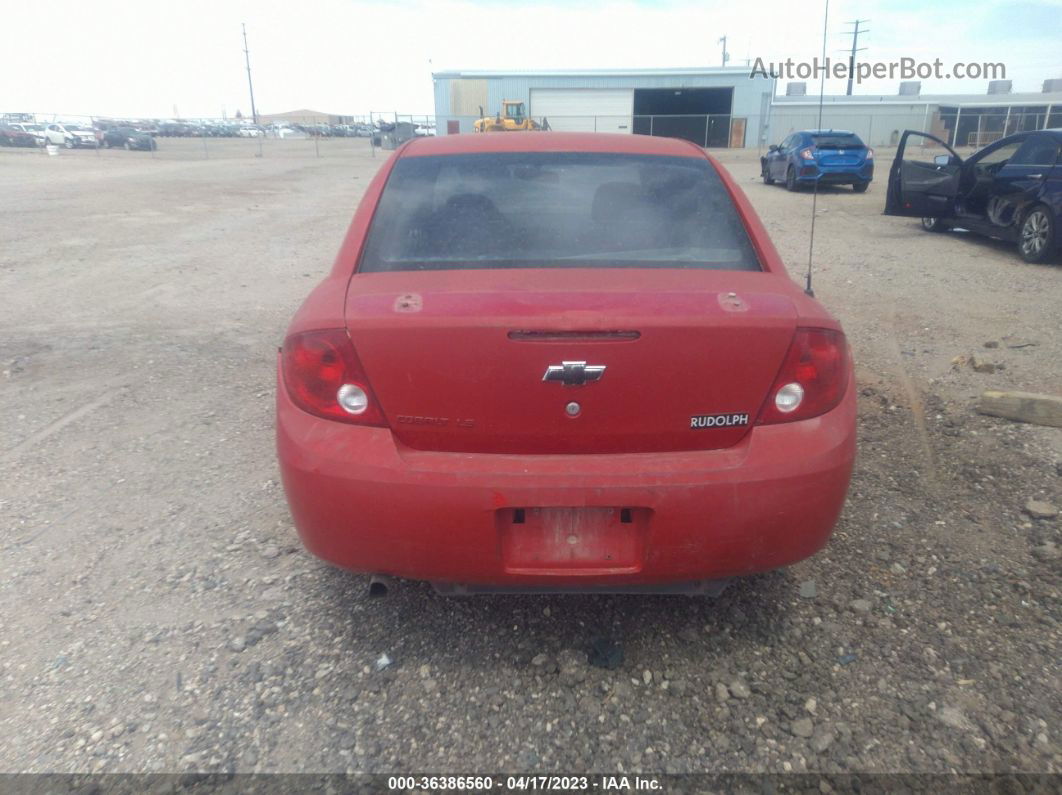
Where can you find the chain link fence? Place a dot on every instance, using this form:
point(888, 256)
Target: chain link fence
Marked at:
point(55, 134)
point(708, 131)
point(879, 128)
point(317, 135)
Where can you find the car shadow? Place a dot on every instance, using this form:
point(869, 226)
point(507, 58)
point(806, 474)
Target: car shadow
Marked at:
point(1003, 247)
point(826, 189)
point(483, 631)
point(807, 189)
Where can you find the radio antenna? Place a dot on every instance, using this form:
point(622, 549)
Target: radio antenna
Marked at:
point(815, 195)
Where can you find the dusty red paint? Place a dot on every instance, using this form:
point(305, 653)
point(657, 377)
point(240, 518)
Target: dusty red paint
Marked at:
point(475, 434)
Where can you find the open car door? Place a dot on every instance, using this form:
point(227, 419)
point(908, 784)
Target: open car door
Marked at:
point(923, 188)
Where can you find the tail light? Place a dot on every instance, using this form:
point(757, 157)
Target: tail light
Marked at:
point(870, 153)
point(807, 154)
point(812, 380)
point(324, 377)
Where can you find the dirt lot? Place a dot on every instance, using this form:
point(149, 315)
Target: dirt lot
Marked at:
point(159, 614)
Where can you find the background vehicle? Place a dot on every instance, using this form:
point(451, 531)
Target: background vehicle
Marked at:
point(130, 138)
point(36, 130)
point(174, 129)
point(70, 135)
point(11, 135)
point(250, 132)
point(646, 326)
point(285, 131)
point(829, 157)
point(1010, 189)
point(511, 118)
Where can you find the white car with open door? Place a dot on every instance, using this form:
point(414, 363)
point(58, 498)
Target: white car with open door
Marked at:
point(1010, 189)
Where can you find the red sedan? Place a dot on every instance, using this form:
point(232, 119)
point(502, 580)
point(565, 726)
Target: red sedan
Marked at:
point(551, 361)
point(15, 136)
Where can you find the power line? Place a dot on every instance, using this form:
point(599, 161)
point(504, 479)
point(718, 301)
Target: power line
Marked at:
point(250, 85)
point(855, 41)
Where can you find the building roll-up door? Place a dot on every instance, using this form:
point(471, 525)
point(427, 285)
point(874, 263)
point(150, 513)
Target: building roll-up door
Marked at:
point(584, 109)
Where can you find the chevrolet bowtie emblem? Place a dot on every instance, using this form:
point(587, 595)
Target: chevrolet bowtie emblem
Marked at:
point(574, 373)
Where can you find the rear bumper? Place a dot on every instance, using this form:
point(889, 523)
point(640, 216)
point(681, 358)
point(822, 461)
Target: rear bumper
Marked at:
point(363, 502)
point(827, 175)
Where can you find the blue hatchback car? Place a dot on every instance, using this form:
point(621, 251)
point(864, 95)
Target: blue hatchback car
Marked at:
point(828, 157)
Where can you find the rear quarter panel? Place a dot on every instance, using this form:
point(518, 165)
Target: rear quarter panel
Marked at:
point(324, 307)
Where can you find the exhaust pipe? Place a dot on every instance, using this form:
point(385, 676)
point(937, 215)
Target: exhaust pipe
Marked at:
point(379, 586)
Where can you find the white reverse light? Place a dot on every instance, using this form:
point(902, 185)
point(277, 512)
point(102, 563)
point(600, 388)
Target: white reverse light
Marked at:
point(788, 398)
point(352, 398)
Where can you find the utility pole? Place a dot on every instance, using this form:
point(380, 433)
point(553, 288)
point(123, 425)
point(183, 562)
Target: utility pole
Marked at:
point(250, 85)
point(726, 55)
point(855, 41)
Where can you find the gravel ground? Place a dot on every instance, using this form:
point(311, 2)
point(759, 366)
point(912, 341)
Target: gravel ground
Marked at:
point(157, 612)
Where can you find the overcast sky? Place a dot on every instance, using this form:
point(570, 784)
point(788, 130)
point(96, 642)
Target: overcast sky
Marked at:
point(160, 59)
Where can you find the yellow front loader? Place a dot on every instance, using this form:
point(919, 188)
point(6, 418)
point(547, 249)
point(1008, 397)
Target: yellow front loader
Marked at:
point(511, 118)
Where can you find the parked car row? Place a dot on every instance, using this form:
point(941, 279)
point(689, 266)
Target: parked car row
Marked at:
point(360, 130)
point(181, 129)
point(1010, 190)
point(276, 130)
point(75, 135)
point(335, 130)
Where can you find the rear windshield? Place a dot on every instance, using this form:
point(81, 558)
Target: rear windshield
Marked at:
point(555, 210)
point(835, 141)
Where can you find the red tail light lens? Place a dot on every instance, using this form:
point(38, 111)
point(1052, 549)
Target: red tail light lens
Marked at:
point(324, 377)
point(812, 380)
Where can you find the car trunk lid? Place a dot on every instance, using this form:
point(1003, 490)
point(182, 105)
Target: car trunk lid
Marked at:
point(458, 359)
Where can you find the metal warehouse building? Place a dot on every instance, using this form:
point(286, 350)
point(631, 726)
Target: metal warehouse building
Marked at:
point(960, 119)
point(720, 107)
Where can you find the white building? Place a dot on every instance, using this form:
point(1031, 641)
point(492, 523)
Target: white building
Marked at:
point(960, 119)
point(717, 107)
